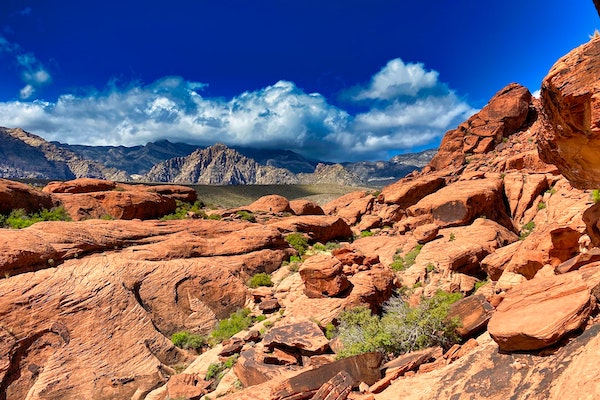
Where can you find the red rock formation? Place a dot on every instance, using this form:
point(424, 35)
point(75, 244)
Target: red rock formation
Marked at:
point(570, 100)
point(506, 112)
point(323, 276)
point(15, 195)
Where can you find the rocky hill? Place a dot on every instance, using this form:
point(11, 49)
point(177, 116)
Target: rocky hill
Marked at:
point(502, 217)
point(27, 156)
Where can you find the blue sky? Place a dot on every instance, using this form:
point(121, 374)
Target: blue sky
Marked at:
point(335, 80)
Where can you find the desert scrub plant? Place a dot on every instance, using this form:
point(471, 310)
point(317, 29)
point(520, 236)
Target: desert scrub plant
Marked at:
point(237, 322)
point(366, 233)
point(260, 279)
point(298, 241)
point(246, 216)
point(595, 195)
point(401, 328)
point(18, 219)
point(400, 263)
point(526, 230)
point(452, 237)
point(187, 340)
point(541, 205)
point(182, 210)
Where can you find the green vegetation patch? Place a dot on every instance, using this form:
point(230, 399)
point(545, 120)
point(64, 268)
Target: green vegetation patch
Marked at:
point(526, 230)
point(182, 210)
point(19, 219)
point(260, 279)
point(187, 340)
point(401, 263)
point(237, 322)
point(298, 241)
point(401, 328)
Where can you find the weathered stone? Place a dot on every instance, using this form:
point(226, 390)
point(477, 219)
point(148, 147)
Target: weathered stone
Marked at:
point(251, 370)
point(408, 191)
point(462, 202)
point(272, 203)
point(402, 364)
point(231, 347)
point(539, 312)
point(505, 113)
point(591, 217)
point(322, 275)
point(473, 312)
point(189, 386)
point(362, 368)
point(306, 337)
point(337, 388)
point(570, 99)
point(269, 306)
point(306, 207)
point(426, 233)
point(280, 357)
point(15, 195)
point(494, 263)
point(318, 228)
point(572, 264)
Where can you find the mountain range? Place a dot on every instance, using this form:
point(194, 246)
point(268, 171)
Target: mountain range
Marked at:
point(27, 156)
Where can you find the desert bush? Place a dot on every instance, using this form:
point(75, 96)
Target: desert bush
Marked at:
point(226, 328)
point(215, 370)
point(187, 340)
point(595, 195)
point(401, 328)
point(260, 279)
point(246, 216)
point(183, 209)
point(526, 230)
point(298, 241)
point(366, 233)
point(18, 219)
point(400, 263)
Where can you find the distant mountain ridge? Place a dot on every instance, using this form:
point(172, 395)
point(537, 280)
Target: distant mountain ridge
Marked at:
point(26, 156)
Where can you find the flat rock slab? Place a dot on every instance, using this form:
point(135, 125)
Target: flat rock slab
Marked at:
point(539, 312)
point(473, 312)
point(305, 336)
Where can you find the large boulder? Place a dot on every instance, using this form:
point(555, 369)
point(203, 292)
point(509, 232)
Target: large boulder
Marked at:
point(272, 204)
point(15, 195)
point(539, 312)
point(570, 97)
point(81, 185)
point(322, 275)
point(320, 228)
point(409, 191)
point(462, 202)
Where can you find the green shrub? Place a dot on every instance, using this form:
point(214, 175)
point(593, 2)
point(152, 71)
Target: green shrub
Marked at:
point(452, 237)
point(226, 328)
point(366, 233)
point(595, 195)
point(182, 210)
point(401, 263)
point(541, 205)
point(298, 241)
point(214, 217)
point(526, 230)
point(187, 340)
point(246, 216)
point(215, 370)
point(18, 219)
point(401, 328)
point(260, 279)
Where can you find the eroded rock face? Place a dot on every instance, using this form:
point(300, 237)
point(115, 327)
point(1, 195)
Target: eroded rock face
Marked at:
point(323, 276)
point(319, 228)
point(505, 113)
point(571, 102)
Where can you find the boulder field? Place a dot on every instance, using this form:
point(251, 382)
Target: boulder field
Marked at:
point(503, 214)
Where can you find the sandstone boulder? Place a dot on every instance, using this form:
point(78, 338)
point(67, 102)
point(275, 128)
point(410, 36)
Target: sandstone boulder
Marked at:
point(463, 201)
point(570, 99)
point(305, 337)
point(306, 207)
point(318, 228)
point(539, 312)
point(15, 195)
point(322, 275)
point(408, 191)
point(474, 312)
point(272, 204)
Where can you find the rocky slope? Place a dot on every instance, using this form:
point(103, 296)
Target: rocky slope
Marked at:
point(27, 156)
point(87, 307)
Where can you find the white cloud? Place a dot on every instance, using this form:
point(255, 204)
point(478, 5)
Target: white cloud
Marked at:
point(32, 71)
point(277, 116)
point(398, 79)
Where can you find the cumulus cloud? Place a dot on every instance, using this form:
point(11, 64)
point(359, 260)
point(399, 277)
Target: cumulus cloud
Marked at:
point(407, 107)
point(32, 71)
